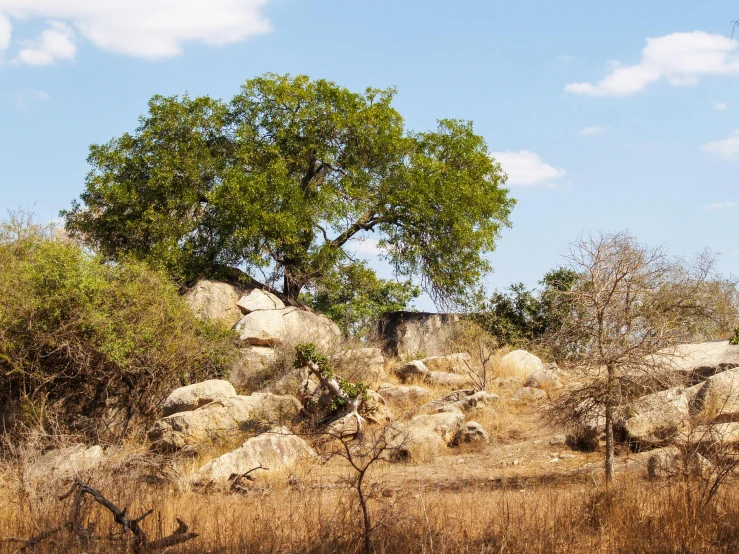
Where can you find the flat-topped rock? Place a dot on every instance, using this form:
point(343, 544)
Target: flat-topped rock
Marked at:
point(192, 397)
point(288, 326)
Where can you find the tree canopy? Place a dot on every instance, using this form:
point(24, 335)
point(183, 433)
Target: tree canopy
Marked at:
point(280, 179)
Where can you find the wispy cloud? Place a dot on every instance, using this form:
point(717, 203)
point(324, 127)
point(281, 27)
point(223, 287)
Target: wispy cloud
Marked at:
point(727, 148)
point(24, 98)
point(564, 58)
point(721, 205)
point(152, 29)
point(526, 169)
point(367, 245)
point(721, 106)
point(592, 130)
point(680, 58)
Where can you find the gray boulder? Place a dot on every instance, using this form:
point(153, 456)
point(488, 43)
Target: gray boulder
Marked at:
point(528, 394)
point(521, 364)
point(697, 361)
point(360, 364)
point(470, 432)
point(412, 371)
point(214, 301)
point(446, 380)
point(192, 397)
point(461, 400)
point(545, 378)
point(410, 333)
point(258, 300)
point(718, 397)
point(288, 326)
point(402, 393)
point(426, 436)
point(657, 418)
point(374, 409)
point(275, 450)
point(228, 417)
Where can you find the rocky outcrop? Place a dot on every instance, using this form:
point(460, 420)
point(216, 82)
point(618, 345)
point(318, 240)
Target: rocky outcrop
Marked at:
point(528, 394)
point(461, 400)
point(215, 301)
point(402, 393)
point(192, 397)
point(718, 397)
point(698, 361)
point(412, 371)
point(521, 364)
point(446, 380)
point(545, 378)
point(251, 362)
point(657, 418)
point(470, 432)
point(287, 326)
point(425, 436)
point(274, 450)
point(258, 300)
point(411, 333)
point(228, 417)
point(374, 409)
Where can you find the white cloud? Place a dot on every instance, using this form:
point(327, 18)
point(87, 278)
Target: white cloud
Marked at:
point(592, 130)
point(55, 43)
point(564, 58)
point(728, 147)
point(721, 106)
point(721, 205)
point(152, 29)
point(526, 169)
point(680, 58)
point(6, 30)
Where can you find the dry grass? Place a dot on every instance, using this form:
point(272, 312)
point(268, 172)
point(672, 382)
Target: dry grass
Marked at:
point(318, 514)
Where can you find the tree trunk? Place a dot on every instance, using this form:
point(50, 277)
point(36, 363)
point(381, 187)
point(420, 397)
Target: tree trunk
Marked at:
point(609, 428)
point(291, 287)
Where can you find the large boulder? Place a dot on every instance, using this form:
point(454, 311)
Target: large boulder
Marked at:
point(402, 393)
point(668, 462)
point(545, 378)
point(425, 436)
point(521, 364)
point(470, 432)
point(360, 364)
point(258, 300)
point(215, 301)
point(274, 450)
point(63, 463)
point(442, 379)
point(461, 400)
point(697, 361)
point(658, 418)
point(374, 409)
point(192, 397)
point(251, 362)
point(406, 334)
point(412, 371)
point(454, 363)
point(288, 326)
point(718, 397)
point(228, 417)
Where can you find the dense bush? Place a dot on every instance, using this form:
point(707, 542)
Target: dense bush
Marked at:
point(90, 346)
point(520, 316)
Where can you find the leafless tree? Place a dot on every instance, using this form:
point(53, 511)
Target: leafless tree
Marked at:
point(631, 305)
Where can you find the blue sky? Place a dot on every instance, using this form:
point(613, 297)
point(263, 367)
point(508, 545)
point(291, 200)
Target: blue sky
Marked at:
point(599, 128)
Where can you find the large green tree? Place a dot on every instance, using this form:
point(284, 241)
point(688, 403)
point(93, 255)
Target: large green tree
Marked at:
point(282, 178)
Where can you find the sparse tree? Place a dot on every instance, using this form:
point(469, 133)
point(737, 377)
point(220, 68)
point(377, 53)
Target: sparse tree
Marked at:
point(629, 305)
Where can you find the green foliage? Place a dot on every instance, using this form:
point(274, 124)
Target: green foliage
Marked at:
point(83, 341)
point(354, 297)
point(735, 338)
point(521, 315)
point(283, 176)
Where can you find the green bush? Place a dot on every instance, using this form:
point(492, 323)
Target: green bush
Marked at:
point(90, 346)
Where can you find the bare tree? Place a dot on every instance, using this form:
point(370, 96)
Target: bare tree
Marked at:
point(631, 304)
